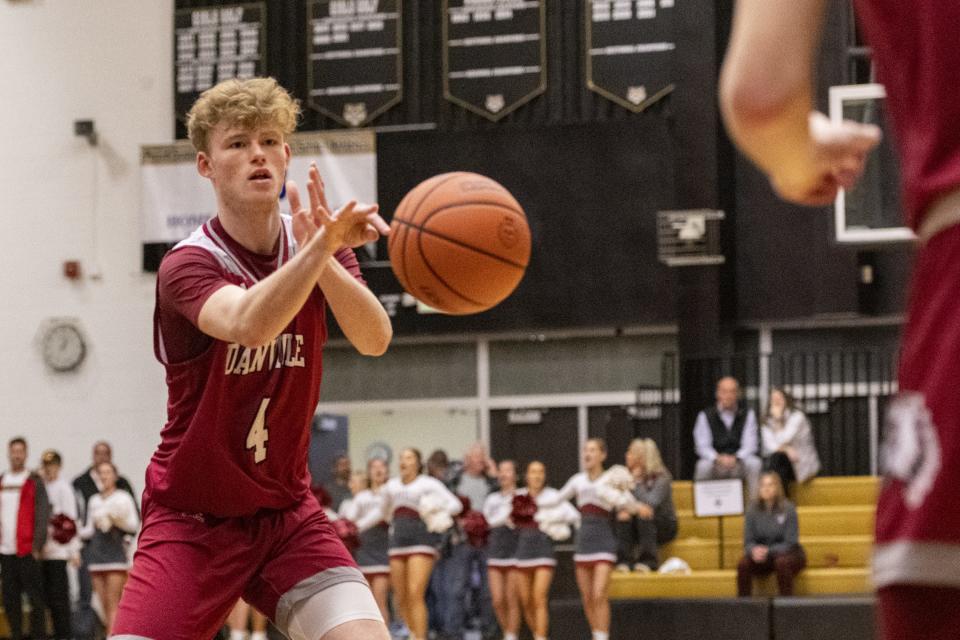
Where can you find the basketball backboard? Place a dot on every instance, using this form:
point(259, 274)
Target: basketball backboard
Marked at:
point(870, 212)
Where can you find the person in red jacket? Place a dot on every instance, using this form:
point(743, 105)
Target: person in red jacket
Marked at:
point(24, 514)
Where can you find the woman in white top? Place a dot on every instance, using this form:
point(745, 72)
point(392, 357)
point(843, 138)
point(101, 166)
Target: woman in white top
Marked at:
point(411, 499)
point(501, 551)
point(536, 560)
point(596, 548)
point(366, 510)
point(787, 439)
point(111, 518)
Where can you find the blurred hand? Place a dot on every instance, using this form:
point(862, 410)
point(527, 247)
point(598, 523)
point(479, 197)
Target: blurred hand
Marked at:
point(839, 156)
point(352, 225)
point(644, 511)
point(759, 554)
point(623, 515)
point(726, 461)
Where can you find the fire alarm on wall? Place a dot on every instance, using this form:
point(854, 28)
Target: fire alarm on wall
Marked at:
point(71, 270)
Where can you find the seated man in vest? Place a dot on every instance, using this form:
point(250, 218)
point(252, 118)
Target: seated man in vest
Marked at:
point(726, 438)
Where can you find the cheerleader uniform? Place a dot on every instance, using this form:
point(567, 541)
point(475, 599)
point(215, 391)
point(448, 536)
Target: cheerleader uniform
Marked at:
point(366, 510)
point(109, 521)
point(534, 547)
point(409, 535)
point(596, 541)
point(502, 545)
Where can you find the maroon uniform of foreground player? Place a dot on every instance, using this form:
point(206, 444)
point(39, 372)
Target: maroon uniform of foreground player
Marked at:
point(766, 95)
point(240, 326)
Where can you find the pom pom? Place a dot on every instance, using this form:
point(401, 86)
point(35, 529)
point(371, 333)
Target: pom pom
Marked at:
point(348, 533)
point(524, 509)
point(433, 511)
point(64, 528)
point(476, 528)
point(321, 495)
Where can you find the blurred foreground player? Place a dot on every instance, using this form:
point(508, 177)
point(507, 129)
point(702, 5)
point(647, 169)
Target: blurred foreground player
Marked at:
point(766, 96)
point(240, 327)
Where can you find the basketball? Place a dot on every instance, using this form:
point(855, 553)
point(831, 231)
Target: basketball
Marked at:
point(459, 242)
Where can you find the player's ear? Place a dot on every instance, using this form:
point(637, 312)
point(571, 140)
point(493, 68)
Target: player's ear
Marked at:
point(287, 153)
point(203, 164)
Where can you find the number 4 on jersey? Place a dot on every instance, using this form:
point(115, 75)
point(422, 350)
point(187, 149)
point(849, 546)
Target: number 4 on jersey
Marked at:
point(258, 435)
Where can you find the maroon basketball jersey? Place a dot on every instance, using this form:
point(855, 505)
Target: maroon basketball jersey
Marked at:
point(238, 419)
point(915, 48)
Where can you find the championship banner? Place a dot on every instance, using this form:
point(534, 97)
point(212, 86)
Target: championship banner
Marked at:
point(354, 61)
point(630, 47)
point(175, 199)
point(494, 54)
point(212, 44)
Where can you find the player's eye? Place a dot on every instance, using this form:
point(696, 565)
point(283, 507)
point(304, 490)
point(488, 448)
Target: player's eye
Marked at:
point(237, 144)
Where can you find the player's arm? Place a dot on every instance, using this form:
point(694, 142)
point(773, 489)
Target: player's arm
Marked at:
point(360, 315)
point(766, 97)
point(255, 316)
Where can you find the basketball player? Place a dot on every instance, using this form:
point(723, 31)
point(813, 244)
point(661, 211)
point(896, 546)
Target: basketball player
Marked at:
point(240, 326)
point(766, 96)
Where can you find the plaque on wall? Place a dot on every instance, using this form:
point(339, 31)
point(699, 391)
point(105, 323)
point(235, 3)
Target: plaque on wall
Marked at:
point(630, 50)
point(494, 54)
point(212, 44)
point(354, 64)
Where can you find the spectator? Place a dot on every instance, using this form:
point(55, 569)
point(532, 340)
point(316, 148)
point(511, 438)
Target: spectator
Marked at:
point(477, 477)
point(438, 466)
point(24, 516)
point(652, 521)
point(63, 544)
point(726, 439)
point(787, 440)
point(770, 539)
point(87, 484)
point(111, 517)
point(339, 486)
point(465, 566)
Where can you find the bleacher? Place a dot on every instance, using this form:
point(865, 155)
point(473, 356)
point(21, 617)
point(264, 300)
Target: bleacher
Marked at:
point(836, 517)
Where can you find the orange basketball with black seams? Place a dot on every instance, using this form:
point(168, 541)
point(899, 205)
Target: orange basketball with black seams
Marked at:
point(459, 242)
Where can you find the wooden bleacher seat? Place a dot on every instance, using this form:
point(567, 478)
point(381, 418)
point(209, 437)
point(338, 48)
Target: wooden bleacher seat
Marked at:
point(836, 529)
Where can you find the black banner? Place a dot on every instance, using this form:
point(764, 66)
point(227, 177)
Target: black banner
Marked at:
point(494, 54)
point(212, 44)
point(630, 49)
point(354, 59)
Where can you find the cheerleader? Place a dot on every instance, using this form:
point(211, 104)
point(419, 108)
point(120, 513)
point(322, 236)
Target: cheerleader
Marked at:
point(501, 551)
point(596, 547)
point(366, 510)
point(421, 508)
point(111, 517)
point(538, 527)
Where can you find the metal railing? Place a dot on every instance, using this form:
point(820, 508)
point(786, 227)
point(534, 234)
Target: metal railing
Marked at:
point(844, 394)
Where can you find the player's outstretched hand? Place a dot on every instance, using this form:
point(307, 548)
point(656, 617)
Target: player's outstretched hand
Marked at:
point(839, 156)
point(367, 225)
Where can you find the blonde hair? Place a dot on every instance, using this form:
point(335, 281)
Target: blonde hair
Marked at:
point(652, 460)
point(245, 103)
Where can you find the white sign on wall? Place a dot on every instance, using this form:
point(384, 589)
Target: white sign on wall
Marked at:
point(175, 199)
point(717, 498)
